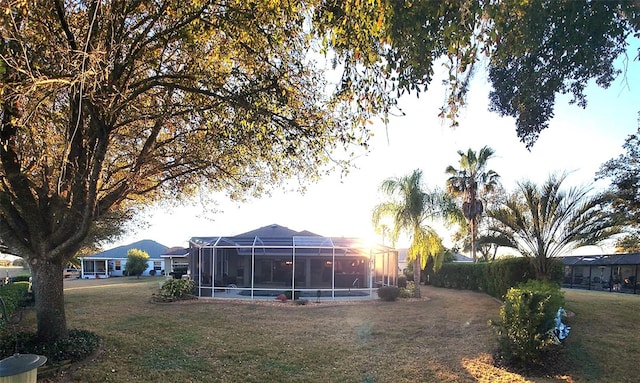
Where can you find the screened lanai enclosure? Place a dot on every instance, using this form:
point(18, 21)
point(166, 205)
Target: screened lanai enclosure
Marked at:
point(275, 260)
point(615, 272)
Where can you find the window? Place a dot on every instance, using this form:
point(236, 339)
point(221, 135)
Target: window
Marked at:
point(118, 265)
point(157, 265)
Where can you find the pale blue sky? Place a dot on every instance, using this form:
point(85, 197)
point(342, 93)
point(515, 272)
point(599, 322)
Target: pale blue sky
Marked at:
point(578, 140)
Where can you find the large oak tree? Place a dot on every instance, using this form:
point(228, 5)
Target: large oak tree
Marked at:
point(109, 104)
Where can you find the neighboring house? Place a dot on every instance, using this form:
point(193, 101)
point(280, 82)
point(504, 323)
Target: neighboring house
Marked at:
point(402, 258)
point(462, 258)
point(274, 259)
point(111, 263)
point(176, 260)
point(614, 272)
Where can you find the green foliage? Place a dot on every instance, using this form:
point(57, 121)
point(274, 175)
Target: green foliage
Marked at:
point(549, 47)
point(466, 276)
point(177, 289)
point(150, 102)
point(21, 278)
point(411, 209)
point(526, 324)
point(494, 278)
point(407, 291)
point(469, 183)
point(137, 262)
point(504, 274)
point(388, 293)
point(77, 347)
point(545, 221)
point(402, 281)
point(14, 295)
point(624, 174)
point(535, 50)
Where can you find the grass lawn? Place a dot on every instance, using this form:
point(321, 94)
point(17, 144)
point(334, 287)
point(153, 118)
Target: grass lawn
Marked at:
point(443, 339)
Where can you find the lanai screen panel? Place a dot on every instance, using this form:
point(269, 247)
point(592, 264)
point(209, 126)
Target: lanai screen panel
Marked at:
point(306, 262)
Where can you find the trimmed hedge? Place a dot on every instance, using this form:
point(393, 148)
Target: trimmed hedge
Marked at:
point(494, 278)
point(463, 276)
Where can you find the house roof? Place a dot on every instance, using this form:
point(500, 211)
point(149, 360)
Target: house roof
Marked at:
point(275, 231)
point(175, 252)
point(279, 237)
point(602, 260)
point(402, 256)
point(153, 248)
point(462, 258)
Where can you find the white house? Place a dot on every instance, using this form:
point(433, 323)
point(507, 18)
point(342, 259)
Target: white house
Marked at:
point(111, 263)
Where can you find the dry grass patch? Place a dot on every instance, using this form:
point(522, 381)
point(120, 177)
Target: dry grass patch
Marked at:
point(443, 339)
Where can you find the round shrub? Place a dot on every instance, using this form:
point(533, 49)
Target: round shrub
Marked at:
point(527, 321)
point(177, 289)
point(388, 293)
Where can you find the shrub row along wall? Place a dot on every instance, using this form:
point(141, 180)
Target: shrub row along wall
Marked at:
point(494, 278)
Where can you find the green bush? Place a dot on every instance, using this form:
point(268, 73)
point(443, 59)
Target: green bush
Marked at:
point(467, 276)
point(402, 282)
point(78, 346)
point(14, 296)
point(494, 278)
point(21, 278)
point(388, 293)
point(177, 289)
point(407, 292)
point(137, 262)
point(525, 328)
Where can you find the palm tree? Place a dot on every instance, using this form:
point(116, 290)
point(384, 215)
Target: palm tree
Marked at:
point(469, 182)
point(409, 209)
point(545, 222)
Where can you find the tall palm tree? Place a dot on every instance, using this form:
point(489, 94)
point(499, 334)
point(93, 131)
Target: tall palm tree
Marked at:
point(410, 208)
point(542, 222)
point(469, 182)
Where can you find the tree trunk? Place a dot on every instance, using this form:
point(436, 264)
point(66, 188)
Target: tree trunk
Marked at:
point(416, 276)
point(47, 279)
point(472, 222)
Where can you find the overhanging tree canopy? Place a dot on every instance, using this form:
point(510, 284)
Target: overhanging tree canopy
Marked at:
point(534, 49)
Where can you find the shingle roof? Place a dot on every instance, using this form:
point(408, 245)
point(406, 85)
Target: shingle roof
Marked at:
point(603, 260)
point(153, 248)
point(175, 251)
point(274, 231)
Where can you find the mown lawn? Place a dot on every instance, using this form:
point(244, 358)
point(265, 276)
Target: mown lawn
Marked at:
point(443, 339)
